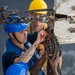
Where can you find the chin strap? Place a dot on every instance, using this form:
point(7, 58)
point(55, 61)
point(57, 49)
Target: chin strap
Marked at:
point(16, 39)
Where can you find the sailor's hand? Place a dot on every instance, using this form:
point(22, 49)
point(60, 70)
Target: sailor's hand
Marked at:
point(54, 63)
point(41, 35)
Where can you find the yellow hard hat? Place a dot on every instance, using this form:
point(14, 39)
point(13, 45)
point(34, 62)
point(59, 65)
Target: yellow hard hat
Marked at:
point(38, 4)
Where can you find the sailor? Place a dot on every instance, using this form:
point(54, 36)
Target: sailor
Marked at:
point(38, 24)
point(19, 48)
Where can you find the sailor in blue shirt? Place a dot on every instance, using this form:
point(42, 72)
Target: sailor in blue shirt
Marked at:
point(19, 48)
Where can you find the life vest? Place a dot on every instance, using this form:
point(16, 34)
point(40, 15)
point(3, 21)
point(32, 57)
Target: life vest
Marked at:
point(11, 47)
point(40, 46)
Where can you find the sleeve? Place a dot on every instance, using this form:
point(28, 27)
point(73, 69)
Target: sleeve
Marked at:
point(32, 37)
point(9, 58)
